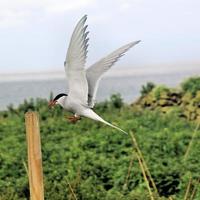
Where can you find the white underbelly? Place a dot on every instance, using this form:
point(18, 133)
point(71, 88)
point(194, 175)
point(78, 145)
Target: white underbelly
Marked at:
point(74, 107)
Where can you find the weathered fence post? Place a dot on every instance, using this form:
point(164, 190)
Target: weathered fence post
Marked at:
point(35, 171)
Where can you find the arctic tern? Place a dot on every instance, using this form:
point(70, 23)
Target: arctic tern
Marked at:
point(83, 83)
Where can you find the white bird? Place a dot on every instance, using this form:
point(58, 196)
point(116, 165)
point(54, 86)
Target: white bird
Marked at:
point(83, 83)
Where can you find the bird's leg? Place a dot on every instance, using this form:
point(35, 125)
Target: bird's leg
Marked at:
point(77, 117)
point(74, 118)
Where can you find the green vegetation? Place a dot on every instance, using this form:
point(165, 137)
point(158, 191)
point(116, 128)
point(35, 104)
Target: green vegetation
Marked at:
point(184, 101)
point(191, 85)
point(159, 91)
point(94, 159)
point(146, 89)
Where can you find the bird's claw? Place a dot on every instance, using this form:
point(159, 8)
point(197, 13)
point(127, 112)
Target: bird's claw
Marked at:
point(73, 119)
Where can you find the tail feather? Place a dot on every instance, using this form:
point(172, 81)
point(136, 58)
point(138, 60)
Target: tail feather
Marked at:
point(113, 126)
point(92, 115)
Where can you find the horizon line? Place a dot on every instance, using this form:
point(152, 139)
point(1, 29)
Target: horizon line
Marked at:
point(141, 70)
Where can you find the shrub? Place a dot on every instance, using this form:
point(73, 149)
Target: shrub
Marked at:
point(159, 90)
point(191, 85)
point(116, 100)
point(95, 158)
point(147, 88)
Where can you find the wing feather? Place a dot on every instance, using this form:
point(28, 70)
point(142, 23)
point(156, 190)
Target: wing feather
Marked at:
point(75, 62)
point(95, 72)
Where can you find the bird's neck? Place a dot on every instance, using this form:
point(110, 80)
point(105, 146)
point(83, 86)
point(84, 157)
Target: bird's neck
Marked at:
point(62, 101)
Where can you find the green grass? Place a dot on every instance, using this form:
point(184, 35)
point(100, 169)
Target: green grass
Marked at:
point(94, 158)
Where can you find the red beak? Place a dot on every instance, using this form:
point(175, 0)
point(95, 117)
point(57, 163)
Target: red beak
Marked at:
point(52, 103)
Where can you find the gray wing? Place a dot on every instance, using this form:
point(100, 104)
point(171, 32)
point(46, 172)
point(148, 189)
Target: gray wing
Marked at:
point(95, 72)
point(75, 62)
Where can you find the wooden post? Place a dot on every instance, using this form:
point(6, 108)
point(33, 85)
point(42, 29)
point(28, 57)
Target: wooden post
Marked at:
point(35, 171)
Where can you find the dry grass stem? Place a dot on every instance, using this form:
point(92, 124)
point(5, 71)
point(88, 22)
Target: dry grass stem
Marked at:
point(191, 141)
point(129, 172)
point(145, 176)
point(194, 190)
point(142, 167)
point(71, 190)
point(144, 163)
point(188, 189)
point(25, 166)
point(77, 180)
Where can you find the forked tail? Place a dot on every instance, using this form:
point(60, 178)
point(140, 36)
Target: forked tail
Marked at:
point(92, 115)
point(113, 126)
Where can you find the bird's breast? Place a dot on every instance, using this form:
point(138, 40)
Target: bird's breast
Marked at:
point(73, 106)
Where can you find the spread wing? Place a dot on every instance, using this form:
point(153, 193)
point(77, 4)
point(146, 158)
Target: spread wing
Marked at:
point(95, 72)
point(75, 62)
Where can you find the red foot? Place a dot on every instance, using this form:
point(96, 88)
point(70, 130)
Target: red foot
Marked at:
point(73, 119)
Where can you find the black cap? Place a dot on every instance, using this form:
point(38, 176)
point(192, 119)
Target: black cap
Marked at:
point(58, 96)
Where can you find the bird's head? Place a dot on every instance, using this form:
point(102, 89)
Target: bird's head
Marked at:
point(59, 99)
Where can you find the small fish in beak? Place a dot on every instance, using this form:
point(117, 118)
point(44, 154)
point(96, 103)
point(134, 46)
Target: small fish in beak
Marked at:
point(51, 104)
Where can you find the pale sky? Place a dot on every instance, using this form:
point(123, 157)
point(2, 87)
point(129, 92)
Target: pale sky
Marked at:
point(34, 34)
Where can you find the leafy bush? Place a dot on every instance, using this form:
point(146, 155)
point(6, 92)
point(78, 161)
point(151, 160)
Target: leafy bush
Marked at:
point(146, 89)
point(116, 101)
point(191, 85)
point(94, 158)
point(159, 90)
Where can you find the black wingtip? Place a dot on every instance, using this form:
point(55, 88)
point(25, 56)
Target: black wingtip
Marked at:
point(136, 42)
point(84, 17)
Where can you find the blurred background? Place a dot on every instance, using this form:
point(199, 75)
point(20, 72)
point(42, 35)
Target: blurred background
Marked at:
point(34, 36)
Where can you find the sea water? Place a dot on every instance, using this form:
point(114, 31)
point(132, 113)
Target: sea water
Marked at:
point(14, 92)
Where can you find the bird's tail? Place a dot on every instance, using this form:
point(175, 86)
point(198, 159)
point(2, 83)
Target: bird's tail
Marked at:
point(92, 115)
point(113, 126)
